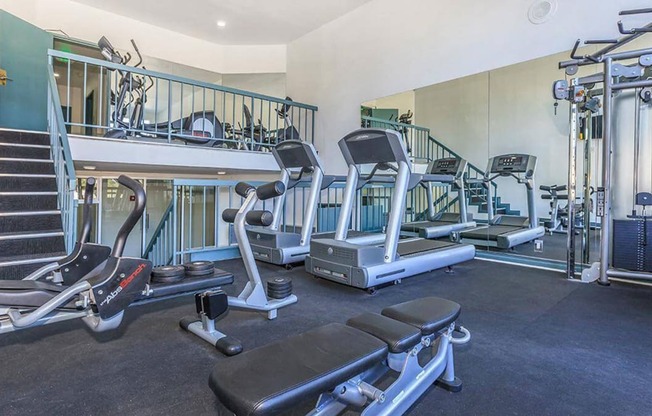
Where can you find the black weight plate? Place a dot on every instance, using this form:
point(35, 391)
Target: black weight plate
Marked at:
point(279, 295)
point(195, 266)
point(200, 273)
point(278, 282)
point(168, 271)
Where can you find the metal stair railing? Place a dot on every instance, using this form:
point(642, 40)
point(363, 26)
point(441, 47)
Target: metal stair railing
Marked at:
point(64, 168)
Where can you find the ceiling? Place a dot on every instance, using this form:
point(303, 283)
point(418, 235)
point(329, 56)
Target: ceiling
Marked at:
point(248, 22)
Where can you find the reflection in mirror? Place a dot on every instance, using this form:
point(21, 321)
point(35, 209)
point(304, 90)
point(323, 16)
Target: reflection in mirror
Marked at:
point(519, 141)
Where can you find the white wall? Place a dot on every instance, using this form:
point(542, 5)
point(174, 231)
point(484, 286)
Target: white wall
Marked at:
point(87, 23)
point(381, 49)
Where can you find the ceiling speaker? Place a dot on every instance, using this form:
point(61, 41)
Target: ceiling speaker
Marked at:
point(541, 11)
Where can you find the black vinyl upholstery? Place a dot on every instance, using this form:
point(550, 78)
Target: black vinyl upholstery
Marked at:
point(189, 285)
point(271, 379)
point(28, 293)
point(399, 336)
point(430, 314)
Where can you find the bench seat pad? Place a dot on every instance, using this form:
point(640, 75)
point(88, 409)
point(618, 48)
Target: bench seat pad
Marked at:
point(398, 336)
point(429, 314)
point(273, 378)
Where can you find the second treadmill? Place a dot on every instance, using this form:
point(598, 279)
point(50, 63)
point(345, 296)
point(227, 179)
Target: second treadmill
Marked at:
point(506, 231)
point(448, 171)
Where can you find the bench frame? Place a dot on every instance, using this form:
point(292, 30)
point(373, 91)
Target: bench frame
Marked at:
point(412, 382)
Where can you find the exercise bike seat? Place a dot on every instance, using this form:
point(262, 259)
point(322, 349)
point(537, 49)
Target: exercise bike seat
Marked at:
point(28, 293)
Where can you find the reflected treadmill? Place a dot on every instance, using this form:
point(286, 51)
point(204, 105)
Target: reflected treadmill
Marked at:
point(506, 231)
point(297, 160)
point(368, 266)
point(451, 171)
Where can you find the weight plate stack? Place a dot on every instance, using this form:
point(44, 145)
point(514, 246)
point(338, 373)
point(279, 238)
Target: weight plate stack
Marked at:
point(167, 274)
point(279, 287)
point(199, 268)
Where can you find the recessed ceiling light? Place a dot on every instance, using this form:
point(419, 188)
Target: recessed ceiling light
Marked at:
point(89, 167)
point(221, 23)
point(221, 172)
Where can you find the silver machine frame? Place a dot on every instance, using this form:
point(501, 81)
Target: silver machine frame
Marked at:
point(514, 238)
point(458, 180)
point(288, 249)
point(616, 76)
point(253, 296)
point(413, 381)
point(292, 253)
point(377, 265)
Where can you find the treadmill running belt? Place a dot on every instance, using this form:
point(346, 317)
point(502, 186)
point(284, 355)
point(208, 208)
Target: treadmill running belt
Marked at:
point(416, 226)
point(490, 233)
point(406, 248)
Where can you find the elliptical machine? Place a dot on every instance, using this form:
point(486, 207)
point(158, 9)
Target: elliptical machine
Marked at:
point(199, 128)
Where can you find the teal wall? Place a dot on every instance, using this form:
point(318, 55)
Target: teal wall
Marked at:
point(23, 54)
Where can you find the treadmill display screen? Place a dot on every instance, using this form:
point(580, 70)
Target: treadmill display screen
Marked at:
point(294, 156)
point(510, 161)
point(446, 166)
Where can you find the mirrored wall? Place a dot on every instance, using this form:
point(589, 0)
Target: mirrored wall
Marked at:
point(516, 139)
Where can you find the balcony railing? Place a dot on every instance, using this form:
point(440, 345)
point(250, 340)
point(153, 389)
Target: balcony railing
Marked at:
point(101, 98)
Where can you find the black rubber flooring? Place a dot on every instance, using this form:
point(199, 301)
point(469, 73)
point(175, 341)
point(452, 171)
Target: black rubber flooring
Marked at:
point(541, 346)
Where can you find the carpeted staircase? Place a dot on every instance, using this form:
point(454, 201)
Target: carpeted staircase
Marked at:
point(31, 233)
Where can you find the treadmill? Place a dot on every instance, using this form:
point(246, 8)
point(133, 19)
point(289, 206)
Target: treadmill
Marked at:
point(449, 171)
point(506, 231)
point(297, 160)
point(368, 266)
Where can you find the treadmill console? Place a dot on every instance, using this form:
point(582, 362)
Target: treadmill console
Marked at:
point(505, 165)
point(367, 146)
point(453, 166)
point(296, 154)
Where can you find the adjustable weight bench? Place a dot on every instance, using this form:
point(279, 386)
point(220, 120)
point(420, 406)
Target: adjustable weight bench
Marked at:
point(340, 363)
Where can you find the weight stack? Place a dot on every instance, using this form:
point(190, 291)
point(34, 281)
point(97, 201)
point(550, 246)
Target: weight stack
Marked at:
point(630, 251)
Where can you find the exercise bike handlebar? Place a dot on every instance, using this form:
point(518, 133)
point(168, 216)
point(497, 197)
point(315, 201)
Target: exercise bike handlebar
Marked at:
point(86, 212)
point(134, 215)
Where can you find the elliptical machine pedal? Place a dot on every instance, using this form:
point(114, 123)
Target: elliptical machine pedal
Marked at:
point(212, 305)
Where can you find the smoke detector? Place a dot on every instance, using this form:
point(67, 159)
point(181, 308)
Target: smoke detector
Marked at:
point(541, 11)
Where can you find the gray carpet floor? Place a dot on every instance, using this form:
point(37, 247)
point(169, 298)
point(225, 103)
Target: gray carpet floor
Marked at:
point(541, 346)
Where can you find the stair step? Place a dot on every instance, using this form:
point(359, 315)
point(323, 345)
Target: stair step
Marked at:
point(20, 202)
point(41, 244)
point(20, 222)
point(25, 151)
point(24, 137)
point(27, 184)
point(26, 166)
point(18, 267)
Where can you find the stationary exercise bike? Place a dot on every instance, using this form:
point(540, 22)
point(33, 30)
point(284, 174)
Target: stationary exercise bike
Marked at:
point(199, 128)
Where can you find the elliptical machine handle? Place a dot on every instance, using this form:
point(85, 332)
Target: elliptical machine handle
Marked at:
point(134, 216)
point(86, 212)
